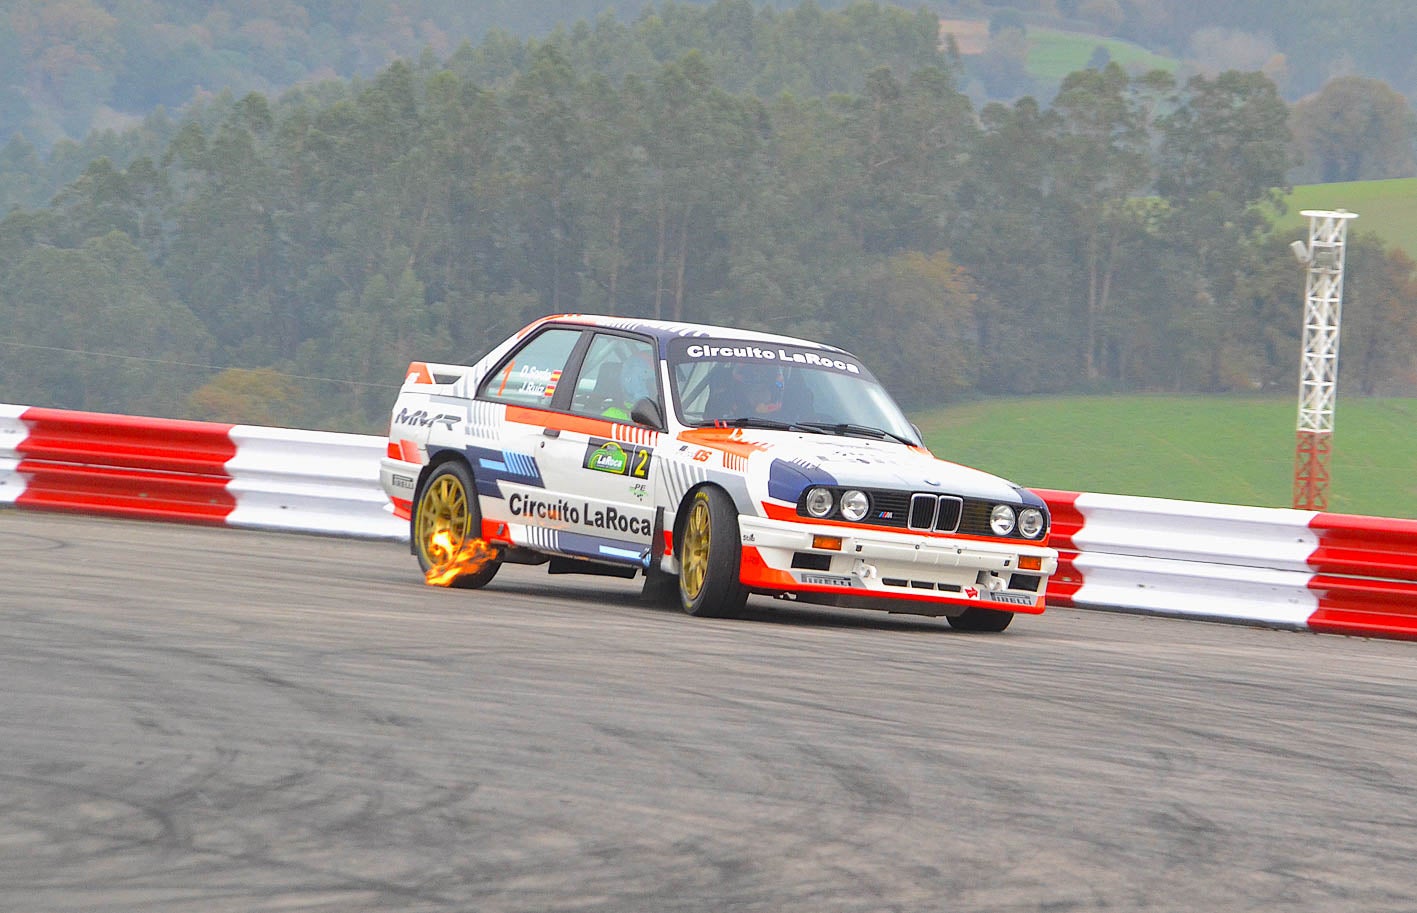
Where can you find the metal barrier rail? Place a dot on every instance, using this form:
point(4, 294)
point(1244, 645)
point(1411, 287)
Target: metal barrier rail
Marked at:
point(194, 472)
point(116, 464)
point(1282, 568)
point(1334, 573)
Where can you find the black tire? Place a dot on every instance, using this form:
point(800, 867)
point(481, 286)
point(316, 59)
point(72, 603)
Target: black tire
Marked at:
point(986, 620)
point(710, 554)
point(445, 516)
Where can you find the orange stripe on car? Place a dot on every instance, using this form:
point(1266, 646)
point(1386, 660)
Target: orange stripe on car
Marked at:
point(418, 373)
point(753, 571)
point(495, 531)
point(580, 424)
point(725, 440)
point(404, 449)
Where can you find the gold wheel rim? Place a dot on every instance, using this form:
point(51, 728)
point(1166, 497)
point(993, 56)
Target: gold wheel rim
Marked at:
point(442, 515)
point(695, 558)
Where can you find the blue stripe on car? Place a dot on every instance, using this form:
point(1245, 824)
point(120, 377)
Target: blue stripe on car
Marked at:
point(489, 467)
point(788, 479)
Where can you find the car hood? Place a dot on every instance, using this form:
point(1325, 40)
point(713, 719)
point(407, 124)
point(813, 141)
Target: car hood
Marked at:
point(798, 460)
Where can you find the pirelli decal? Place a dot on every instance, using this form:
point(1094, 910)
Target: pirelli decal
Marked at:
point(616, 458)
point(826, 580)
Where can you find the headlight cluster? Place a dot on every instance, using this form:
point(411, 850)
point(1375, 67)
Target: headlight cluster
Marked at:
point(854, 504)
point(924, 511)
point(1029, 522)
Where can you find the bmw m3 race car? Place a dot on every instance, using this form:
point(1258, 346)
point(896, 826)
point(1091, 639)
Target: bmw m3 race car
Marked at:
point(716, 463)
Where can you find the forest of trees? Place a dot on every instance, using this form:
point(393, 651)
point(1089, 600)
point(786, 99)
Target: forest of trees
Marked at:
point(279, 260)
point(68, 67)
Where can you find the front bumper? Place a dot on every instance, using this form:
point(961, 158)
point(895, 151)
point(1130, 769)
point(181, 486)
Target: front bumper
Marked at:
point(898, 572)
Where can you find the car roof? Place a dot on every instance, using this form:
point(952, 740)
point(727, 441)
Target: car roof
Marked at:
point(665, 330)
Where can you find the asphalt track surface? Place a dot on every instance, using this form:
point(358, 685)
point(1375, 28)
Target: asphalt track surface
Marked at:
point(197, 719)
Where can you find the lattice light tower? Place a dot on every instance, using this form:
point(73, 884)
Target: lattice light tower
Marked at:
point(1318, 373)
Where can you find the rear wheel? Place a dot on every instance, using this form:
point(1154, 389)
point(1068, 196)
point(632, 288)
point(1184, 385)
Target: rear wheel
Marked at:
point(981, 620)
point(710, 553)
point(445, 519)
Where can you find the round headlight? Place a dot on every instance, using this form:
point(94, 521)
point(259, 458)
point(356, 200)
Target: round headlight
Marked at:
point(854, 505)
point(1001, 519)
point(1030, 522)
point(819, 502)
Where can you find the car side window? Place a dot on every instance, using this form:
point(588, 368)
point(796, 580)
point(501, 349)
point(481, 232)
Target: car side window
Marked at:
point(532, 373)
point(618, 371)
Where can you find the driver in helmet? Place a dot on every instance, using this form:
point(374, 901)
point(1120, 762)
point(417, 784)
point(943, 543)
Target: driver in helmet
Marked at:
point(636, 383)
point(757, 389)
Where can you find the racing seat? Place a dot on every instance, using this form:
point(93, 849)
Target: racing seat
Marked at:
point(606, 392)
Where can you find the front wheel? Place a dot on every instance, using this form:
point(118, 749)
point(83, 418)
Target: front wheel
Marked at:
point(445, 527)
point(981, 620)
point(710, 552)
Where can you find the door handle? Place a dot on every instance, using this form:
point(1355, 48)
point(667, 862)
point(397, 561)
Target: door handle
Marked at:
point(551, 432)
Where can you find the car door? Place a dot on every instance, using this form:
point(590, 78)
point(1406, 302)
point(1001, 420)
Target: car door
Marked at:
point(517, 487)
point(597, 459)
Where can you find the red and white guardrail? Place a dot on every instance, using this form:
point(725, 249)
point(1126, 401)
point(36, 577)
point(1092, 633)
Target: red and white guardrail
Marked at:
point(194, 472)
point(1333, 573)
point(1267, 566)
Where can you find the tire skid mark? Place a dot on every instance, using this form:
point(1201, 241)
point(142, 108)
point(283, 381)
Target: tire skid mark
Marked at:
point(304, 726)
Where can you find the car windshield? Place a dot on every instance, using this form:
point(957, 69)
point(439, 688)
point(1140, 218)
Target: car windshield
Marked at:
point(773, 385)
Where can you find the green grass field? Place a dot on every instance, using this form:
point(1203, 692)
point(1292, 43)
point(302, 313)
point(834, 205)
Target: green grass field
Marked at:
point(1230, 450)
point(1054, 54)
point(1388, 208)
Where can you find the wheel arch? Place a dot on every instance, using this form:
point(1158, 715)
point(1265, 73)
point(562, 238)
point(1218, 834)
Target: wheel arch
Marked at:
point(436, 460)
point(681, 516)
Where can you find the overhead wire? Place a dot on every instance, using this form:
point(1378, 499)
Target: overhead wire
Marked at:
point(184, 364)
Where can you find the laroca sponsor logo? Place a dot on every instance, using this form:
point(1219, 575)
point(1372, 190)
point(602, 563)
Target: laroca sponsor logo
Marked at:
point(612, 457)
point(814, 359)
point(560, 510)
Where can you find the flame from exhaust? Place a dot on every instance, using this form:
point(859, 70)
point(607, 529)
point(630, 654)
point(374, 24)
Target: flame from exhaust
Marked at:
point(450, 564)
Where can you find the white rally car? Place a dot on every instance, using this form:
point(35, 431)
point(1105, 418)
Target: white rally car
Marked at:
point(715, 462)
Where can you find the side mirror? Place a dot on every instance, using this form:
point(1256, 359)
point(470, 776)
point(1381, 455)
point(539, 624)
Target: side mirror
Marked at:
point(646, 412)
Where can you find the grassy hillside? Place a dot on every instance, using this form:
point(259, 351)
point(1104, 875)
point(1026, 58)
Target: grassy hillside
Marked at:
point(1388, 208)
point(1054, 54)
point(1234, 450)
